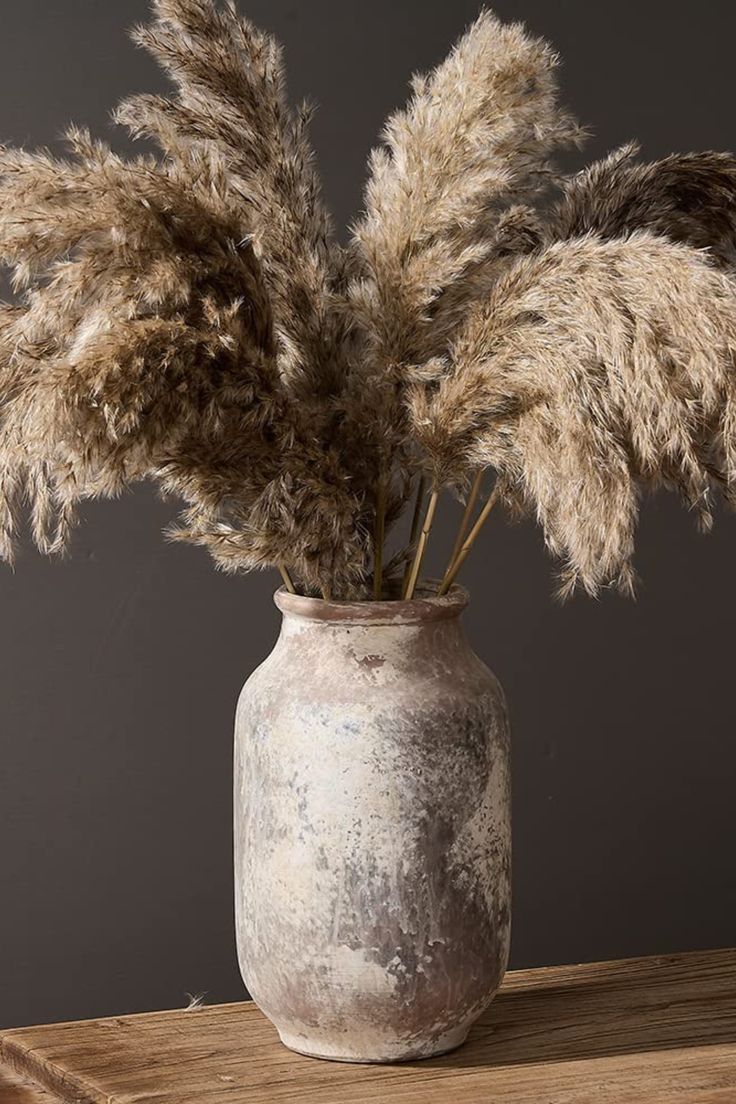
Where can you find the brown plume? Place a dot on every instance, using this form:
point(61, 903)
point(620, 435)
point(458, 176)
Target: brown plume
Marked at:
point(593, 368)
point(690, 198)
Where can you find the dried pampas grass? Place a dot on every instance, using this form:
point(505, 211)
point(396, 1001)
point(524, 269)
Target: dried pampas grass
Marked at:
point(478, 131)
point(189, 319)
point(593, 369)
point(689, 198)
point(231, 108)
point(153, 345)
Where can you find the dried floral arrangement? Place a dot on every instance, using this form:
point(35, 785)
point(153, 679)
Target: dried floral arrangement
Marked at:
point(189, 318)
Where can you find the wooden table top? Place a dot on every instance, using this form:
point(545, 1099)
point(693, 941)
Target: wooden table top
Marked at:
point(656, 1030)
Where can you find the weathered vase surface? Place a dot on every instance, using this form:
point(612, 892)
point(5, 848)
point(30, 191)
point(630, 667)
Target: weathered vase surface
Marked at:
point(372, 829)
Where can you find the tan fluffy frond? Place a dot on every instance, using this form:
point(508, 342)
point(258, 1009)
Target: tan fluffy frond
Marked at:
point(477, 134)
point(592, 369)
point(145, 348)
point(232, 105)
point(689, 198)
point(478, 130)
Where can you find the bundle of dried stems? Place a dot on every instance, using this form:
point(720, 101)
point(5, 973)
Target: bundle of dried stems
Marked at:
point(189, 319)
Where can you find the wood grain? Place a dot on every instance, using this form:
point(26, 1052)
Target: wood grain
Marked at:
point(19, 1090)
point(656, 1030)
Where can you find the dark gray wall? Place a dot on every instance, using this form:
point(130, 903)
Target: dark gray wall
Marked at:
point(119, 669)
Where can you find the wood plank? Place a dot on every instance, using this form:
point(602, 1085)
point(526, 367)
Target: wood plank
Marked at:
point(18, 1090)
point(649, 1030)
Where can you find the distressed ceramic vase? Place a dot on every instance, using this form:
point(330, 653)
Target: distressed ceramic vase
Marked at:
point(372, 829)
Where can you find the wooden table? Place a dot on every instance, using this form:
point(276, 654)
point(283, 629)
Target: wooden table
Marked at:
point(651, 1030)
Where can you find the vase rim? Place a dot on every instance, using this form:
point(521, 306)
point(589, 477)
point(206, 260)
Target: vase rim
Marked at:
point(426, 606)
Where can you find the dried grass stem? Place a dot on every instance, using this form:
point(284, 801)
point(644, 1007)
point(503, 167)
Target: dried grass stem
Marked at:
point(470, 540)
point(416, 520)
point(287, 579)
point(465, 520)
point(421, 545)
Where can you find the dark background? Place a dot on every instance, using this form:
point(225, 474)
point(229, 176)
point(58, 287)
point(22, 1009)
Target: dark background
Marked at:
point(120, 668)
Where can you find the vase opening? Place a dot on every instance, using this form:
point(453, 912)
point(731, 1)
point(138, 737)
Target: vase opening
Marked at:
point(425, 606)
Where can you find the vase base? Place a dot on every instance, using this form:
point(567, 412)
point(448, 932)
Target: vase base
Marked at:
point(388, 1054)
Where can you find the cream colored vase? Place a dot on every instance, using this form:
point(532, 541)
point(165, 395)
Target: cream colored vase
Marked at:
point(372, 829)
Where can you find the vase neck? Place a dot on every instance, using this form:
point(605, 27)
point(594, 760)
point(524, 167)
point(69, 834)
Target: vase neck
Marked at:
point(426, 608)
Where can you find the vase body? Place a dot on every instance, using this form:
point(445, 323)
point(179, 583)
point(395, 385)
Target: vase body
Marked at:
point(372, 835)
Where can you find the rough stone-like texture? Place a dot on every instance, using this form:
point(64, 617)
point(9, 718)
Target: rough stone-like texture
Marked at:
point(372, 829)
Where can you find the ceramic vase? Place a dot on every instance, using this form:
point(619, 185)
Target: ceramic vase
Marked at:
point(372, 835)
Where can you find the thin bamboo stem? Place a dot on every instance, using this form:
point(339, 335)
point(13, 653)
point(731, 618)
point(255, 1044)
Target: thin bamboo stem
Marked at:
point(465, 522)
point(327, 593)
point(468, 543)
point(379, 538)
point(416, 519)
point(421, 545)
point(417, 515)
point(287, 579)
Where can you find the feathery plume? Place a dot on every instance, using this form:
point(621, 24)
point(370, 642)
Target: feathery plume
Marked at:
point(593, 367)
point(231, 103)
point(478, 130)
point(145, 348)
point(126, 279)
point(688, 198)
